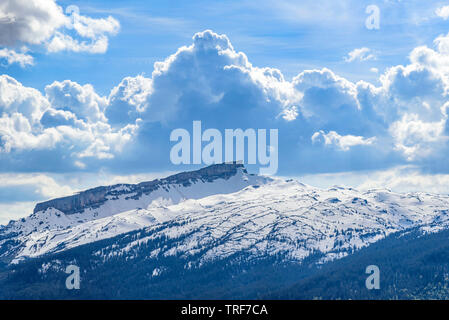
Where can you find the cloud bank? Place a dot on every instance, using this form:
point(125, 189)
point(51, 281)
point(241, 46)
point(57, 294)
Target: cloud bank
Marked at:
point(323, 118)
point(394, 134)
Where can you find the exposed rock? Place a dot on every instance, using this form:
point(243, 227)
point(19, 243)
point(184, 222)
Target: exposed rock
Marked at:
point(97, 196)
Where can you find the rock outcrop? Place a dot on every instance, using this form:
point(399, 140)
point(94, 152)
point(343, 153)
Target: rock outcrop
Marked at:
point(97, 196)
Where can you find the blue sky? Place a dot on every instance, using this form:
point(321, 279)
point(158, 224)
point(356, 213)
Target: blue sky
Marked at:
point(90, 97)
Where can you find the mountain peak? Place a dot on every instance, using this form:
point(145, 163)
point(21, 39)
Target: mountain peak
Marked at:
point(210, 173)
point(95, 197)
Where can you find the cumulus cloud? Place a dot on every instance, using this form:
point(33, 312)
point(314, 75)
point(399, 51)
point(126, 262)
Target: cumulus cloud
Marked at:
point(95, 30)
point(29, 21)
point(128, 100)
point(14, 97)
point(360, 54)
point(43, 22)
point(401, 120)
point(11, 56)
point(331, 102)
point(198, 79)
point(443, 12)
point(69, 116)
point(64, 42)
point(16, 134)
point(341, 142)
point(416, 138)
point(82, 101)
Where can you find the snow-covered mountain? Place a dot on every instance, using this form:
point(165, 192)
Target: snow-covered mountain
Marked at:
point(284, 218)
point(219, 211)
point(105, 212)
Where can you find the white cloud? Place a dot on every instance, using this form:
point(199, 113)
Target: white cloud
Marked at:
point(44, 185)
point(96, 30)
point(326, 99)
point(323, 78)
point(418, 139)
point(30, 187)
point(82, 101)
point(398, 179)
point(407, 179)
point(290, 114)
point(43, 22)
point(443, 12)
point(128, 99)
point(63, 42)
point(405, 115)
point(16, 134)
point(343, 143)
point(209, 69)
point(70, 117)
point(29, 21)
point(11, 56)
point(14, 97)
point(15, 210)
point(361, 54)
point(93, 28)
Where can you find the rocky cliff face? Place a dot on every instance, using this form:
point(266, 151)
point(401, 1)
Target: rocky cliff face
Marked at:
point(76, 203)
point(208, 174)
point(97, 196)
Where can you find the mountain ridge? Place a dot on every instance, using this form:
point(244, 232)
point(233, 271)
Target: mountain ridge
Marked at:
point(213, 220)
point(124, 206)
point(96, 196)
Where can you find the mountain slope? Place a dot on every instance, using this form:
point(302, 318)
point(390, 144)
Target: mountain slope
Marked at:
point(104, 212)
point(412, 265)
point(288, 218)
point(219, 224)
